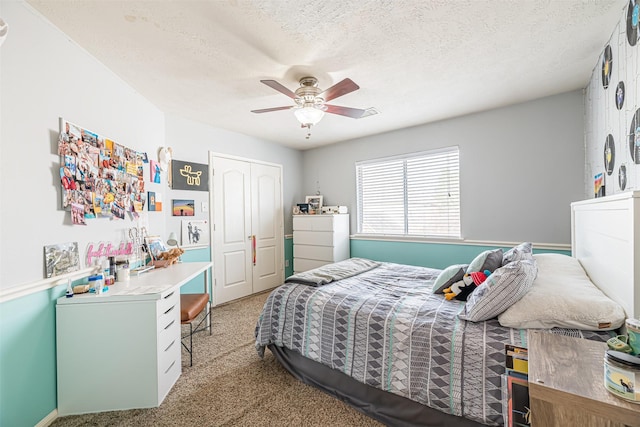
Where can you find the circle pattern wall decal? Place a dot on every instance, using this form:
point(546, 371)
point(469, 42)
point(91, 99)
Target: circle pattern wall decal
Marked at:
point(634, 137)
point(606, 66)
point(622, 177)
point(609, 154)
point(633, 15)
point(620, 95)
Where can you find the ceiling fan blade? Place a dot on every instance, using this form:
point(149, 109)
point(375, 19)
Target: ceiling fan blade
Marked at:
point(266, 110)
point(277, 86)
point(342, 88)
point(354, 113)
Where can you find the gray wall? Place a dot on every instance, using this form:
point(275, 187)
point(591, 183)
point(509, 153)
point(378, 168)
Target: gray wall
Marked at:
point(521, 166)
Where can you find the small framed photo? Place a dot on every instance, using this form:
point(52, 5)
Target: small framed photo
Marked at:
point(315, 204)
point(195, 233)
point(182, 207)
point(155, 246)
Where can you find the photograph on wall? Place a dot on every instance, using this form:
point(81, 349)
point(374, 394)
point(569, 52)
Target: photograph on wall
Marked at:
point(195, 233)
point(105, 177)
point(189, 176)
point(598, 185)
point(61, 258)
point(77, 214)
point(151, 200)
point(155, 171)
point(182, 207)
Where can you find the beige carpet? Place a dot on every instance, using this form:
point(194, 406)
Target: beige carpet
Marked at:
point(229, 385)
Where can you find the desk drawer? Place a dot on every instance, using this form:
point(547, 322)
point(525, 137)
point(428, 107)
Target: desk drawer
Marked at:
point(168, 300)
point(169, 369)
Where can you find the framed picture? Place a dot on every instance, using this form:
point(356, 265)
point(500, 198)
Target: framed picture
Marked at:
point(155, 246)
point(195, 233)
point(315, 203)
point(182, 207)
point(61, 258)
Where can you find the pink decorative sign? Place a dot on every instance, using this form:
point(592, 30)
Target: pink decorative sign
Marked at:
point(106, 249)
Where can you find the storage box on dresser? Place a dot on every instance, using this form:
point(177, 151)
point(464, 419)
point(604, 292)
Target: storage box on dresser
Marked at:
point(117, 354)
point(319, 240)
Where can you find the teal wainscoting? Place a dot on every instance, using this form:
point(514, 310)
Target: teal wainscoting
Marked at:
point(435, 255)
point(28, 358)
point(288, 256)
point(195, 285)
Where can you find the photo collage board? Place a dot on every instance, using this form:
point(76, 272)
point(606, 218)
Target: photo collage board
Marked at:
point(99, 177)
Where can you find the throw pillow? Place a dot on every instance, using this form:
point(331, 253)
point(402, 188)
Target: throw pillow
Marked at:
point(448, 277)
point(522, 251)
point(505, 286)
point(487, 260)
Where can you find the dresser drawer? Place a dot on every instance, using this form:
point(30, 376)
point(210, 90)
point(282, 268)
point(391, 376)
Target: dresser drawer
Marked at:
point(302, 264)
point(320, 253)
point(321, 238)
point(313, 222)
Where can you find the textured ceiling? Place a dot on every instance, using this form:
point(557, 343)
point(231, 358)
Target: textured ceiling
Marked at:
point(416, 61)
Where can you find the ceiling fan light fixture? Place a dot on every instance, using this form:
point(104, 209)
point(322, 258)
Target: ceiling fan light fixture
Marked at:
point(308, 115)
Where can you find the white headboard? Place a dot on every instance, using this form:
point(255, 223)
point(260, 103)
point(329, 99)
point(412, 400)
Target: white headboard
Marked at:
point(605, 238)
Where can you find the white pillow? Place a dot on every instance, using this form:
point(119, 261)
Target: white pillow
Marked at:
point(563, 296)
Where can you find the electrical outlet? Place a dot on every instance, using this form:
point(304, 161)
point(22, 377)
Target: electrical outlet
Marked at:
point(286, 263)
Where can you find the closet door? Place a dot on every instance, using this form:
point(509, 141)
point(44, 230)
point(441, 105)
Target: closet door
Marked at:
point(232, 243)
point(248, 233)
point(266, 220)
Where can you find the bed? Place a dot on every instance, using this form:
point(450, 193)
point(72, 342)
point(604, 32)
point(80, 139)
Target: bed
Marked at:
point(380, 337)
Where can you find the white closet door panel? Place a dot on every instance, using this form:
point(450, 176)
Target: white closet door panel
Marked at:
point(267, 227)
point(232, 229)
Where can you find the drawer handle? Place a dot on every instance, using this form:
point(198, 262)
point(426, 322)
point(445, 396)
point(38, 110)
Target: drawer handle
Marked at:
point(172, 307)
point(169, 296)
point(169, 325)
point(170, 345)
point(170, 366)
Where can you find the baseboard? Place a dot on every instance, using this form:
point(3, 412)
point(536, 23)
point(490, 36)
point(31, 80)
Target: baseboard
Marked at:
point(46, 421)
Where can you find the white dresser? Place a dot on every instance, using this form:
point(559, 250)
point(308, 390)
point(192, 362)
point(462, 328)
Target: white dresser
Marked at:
point(319, 240)
point(122, 350)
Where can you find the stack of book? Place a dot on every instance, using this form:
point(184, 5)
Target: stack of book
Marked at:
point(517, 374)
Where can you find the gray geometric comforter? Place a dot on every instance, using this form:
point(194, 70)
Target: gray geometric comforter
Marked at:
point(385, 328)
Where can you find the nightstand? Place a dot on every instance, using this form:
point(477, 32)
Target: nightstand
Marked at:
point(566, 385)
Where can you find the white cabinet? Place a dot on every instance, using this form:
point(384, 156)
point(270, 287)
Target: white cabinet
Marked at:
point(122, 350)
point(319, 240)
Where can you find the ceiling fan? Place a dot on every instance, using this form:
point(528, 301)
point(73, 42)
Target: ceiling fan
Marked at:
point(310, 101)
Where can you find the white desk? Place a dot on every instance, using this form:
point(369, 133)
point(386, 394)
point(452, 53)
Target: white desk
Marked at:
point(121, 350)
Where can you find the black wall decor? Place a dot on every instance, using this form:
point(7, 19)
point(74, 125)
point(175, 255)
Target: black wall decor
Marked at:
point(189, 176)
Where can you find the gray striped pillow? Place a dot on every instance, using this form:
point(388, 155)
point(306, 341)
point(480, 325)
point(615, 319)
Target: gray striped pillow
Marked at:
point(504, 287)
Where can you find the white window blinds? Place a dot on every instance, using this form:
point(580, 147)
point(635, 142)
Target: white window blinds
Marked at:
point(412, 195)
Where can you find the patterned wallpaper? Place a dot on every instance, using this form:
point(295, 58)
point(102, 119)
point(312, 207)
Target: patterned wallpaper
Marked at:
point(612, 122)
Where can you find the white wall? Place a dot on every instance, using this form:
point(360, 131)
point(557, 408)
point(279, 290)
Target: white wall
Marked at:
point(192, 141)
point(521, 166)
point(44, 76)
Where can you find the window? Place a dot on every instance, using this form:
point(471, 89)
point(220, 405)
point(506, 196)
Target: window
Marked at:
point(412, 195)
